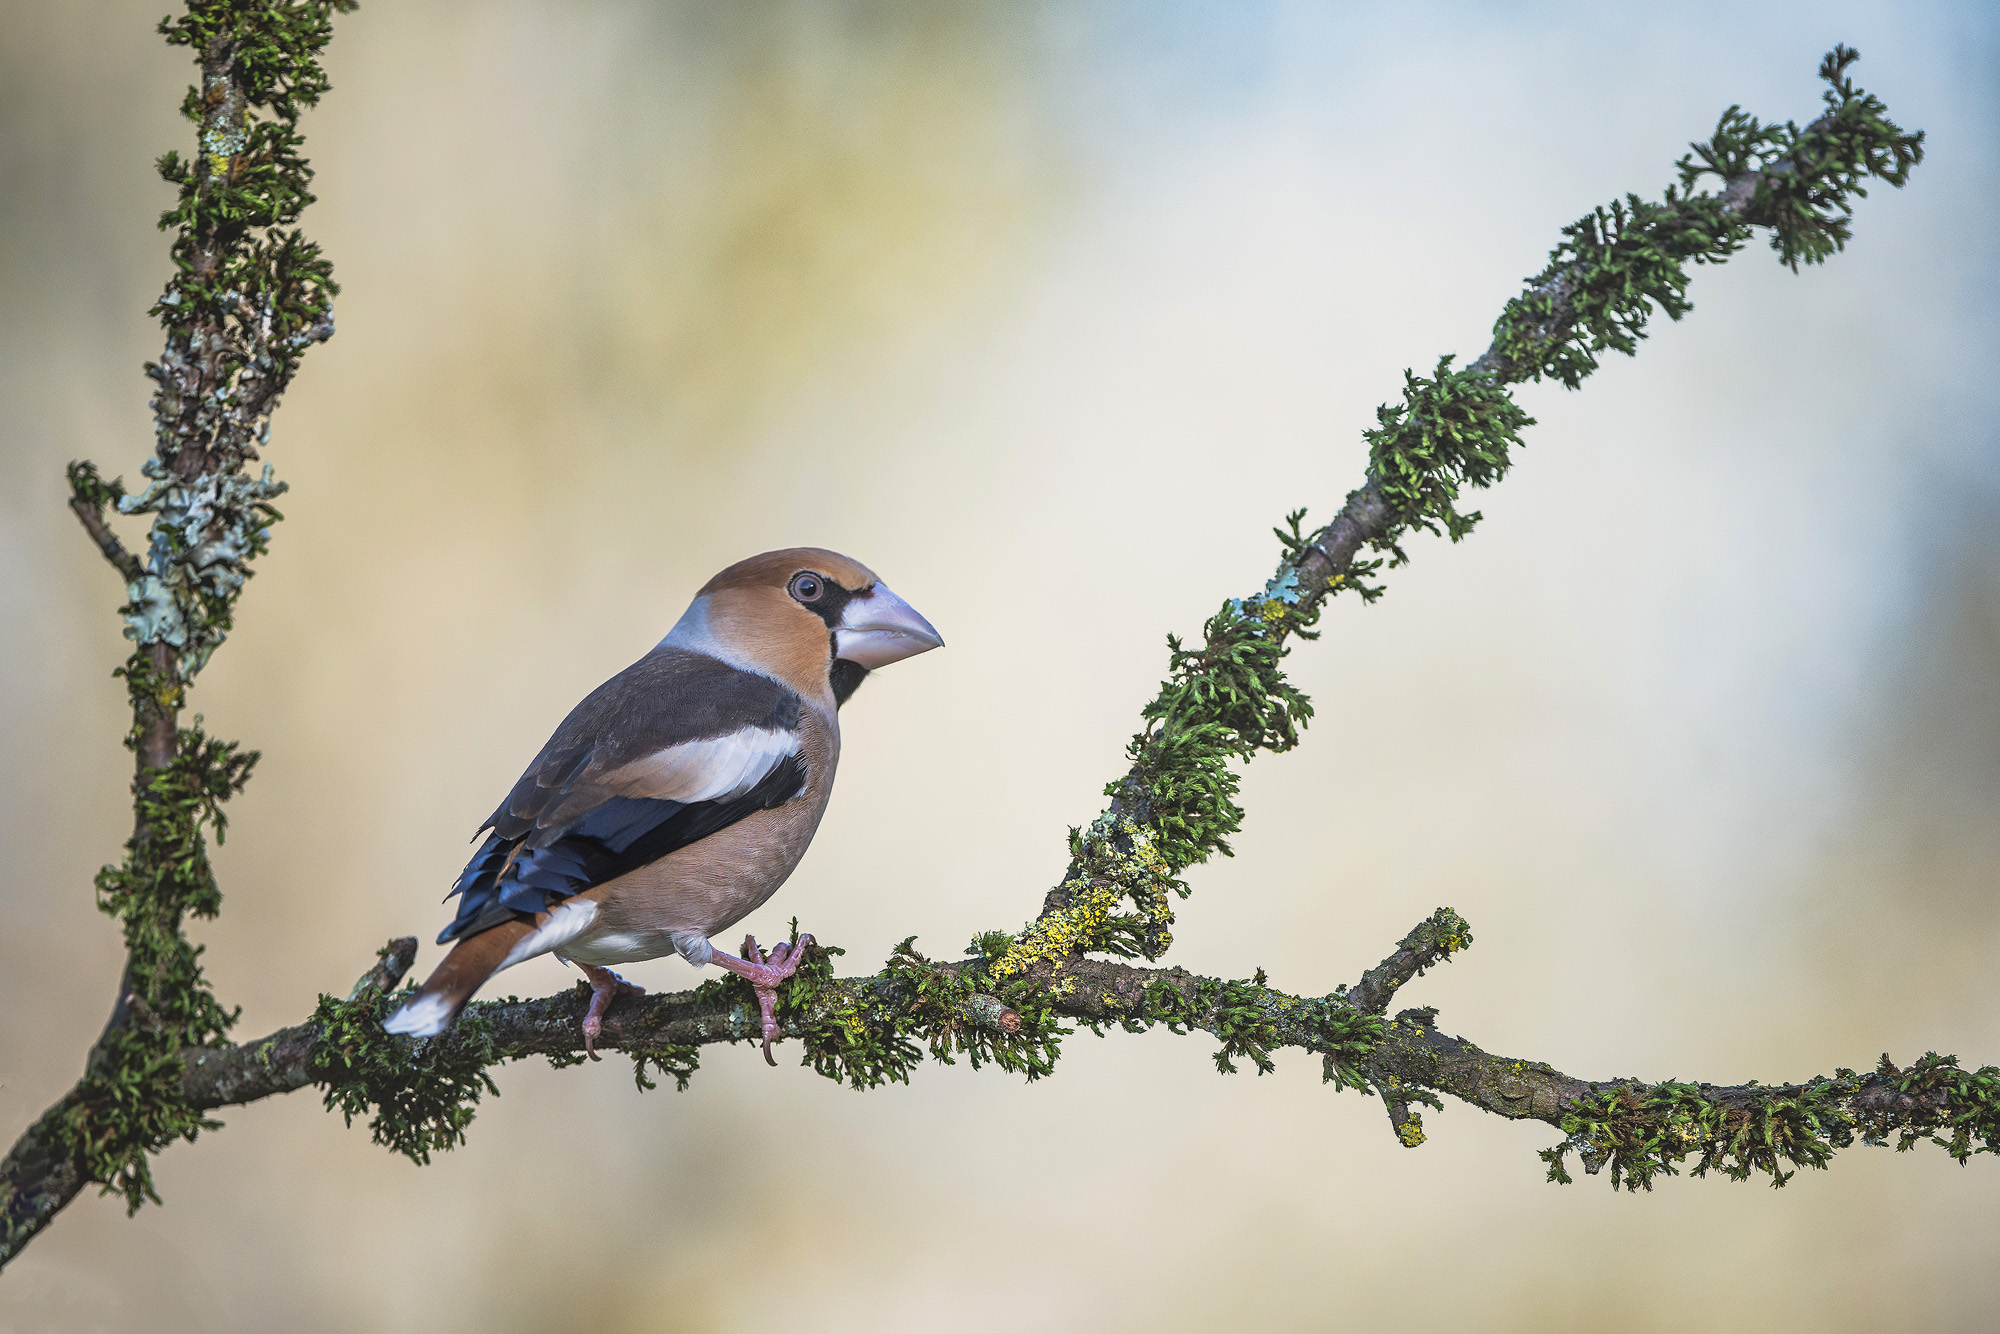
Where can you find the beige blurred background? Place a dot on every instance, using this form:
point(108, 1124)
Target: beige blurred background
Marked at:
point(1048, 312)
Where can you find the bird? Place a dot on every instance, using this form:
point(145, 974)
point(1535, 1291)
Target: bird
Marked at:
point(680, 794)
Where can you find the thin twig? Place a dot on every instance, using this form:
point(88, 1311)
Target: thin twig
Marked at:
point(92, 518)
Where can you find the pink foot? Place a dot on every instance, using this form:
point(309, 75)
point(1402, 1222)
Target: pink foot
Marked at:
point(605, 988)
point(764, 972)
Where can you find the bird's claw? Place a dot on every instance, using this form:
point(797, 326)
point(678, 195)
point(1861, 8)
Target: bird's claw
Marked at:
point(764, 972)
point(605, 988)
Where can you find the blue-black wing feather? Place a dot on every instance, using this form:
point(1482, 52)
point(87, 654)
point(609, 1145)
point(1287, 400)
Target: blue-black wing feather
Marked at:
point(623, 720)
point(506, 880)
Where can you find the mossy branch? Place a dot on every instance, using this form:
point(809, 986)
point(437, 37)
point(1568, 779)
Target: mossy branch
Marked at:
point(872, 1030)
point(1454, 429)
point(246, 300)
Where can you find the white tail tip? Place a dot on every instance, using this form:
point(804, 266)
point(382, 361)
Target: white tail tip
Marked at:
point(424, 1017)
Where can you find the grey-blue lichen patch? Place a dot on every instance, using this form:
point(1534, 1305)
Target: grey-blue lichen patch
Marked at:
point(205, 534)
point(152, 616)
point(1284, 587)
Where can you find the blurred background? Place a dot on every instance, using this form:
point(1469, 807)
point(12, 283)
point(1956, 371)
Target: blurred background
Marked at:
point(1047, 312)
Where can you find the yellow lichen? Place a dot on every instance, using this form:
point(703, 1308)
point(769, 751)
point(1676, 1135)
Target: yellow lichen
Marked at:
point(1101, 879)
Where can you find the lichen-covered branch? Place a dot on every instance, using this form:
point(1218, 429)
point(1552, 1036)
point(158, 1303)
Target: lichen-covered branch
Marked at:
point(875, 1029)
point(248, 296)
point(1454, 429)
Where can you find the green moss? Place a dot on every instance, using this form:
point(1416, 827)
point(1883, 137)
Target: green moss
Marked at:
point(419, 1094)
point(1618, 262)
point(1812, 175)
point(128, 1105)
point(1252, 1020)
point(848, 1034)
point(866, 1032)
point(1227, 699)
point(938, 1003)
point(166, 876)
point(1452, 430)
point(1175, 807)
point(250, 176)
point(1644, 1131)
point(934, 1001)
point(126, 1109)
point(1614, 265)
point(1238, 1012)
point(1345, 1037)
point(676, 1062)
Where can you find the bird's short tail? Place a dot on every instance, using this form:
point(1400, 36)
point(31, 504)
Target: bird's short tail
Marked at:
point(464, 970)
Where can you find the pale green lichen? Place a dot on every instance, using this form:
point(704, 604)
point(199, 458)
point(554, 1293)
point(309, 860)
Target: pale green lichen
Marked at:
point(205, 534)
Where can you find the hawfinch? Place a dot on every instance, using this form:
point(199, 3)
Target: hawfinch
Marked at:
point(680, 794)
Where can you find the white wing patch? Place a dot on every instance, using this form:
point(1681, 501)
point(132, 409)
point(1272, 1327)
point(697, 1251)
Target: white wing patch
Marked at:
point(717, 769)
point(565, 924)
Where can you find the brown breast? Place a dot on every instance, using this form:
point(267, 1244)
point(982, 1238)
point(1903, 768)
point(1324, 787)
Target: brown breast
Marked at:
point(709, 886)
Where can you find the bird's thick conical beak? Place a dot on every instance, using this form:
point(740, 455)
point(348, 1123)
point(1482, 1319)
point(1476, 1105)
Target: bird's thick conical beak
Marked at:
point(881, 628)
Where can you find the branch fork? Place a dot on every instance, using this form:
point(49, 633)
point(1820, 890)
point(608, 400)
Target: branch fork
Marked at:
point(249, 297)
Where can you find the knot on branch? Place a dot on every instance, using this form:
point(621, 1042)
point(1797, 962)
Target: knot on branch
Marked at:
point(392, 961)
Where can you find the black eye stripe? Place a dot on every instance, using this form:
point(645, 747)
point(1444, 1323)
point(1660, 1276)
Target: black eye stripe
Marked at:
point(829, 602)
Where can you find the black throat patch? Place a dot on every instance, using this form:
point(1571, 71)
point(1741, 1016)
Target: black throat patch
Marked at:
point(845, 678)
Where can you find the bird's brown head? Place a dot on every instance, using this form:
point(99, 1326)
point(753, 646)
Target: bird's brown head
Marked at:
point(812, 618)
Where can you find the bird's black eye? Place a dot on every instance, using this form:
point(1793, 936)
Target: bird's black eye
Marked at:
point(806, 587)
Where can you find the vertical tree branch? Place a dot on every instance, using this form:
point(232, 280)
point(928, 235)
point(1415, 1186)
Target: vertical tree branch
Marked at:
point(247, 298)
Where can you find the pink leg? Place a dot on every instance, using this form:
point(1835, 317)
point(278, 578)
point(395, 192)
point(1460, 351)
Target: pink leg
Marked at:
point(764, 972)
point(605, 988)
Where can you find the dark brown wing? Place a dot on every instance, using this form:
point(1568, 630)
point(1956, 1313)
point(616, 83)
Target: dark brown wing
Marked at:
point(673, 748)
point(610, 744)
